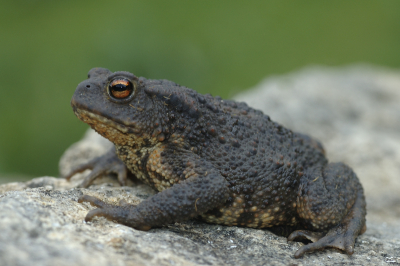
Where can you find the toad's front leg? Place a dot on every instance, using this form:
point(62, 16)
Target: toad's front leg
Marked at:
point(200, 188)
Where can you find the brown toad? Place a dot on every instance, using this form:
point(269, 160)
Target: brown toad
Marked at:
point(217, 159)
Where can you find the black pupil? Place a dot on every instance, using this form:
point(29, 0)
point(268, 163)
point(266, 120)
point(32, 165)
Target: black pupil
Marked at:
point(120, 87)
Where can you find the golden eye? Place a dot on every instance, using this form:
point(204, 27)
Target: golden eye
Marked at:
point(120, 88)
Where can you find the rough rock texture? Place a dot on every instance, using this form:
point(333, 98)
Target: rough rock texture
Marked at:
point(353, 111)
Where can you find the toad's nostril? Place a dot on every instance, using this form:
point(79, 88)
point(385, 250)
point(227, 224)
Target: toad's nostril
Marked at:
point(88, 86)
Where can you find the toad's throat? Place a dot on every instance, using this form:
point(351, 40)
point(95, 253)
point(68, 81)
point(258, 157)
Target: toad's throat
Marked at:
point(115, 132)
point(94, 120)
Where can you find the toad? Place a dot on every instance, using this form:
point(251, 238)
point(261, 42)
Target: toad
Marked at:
point(215, 159)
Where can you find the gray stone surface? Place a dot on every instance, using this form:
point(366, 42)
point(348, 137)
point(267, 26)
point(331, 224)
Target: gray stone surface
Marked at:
point(354, 111)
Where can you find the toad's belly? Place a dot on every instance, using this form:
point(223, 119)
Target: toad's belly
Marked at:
point(239, 213)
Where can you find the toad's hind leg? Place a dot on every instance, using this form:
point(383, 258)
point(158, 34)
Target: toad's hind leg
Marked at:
point(330, 200)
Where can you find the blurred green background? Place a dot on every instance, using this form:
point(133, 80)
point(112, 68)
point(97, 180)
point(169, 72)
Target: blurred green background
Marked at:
point(219, 47)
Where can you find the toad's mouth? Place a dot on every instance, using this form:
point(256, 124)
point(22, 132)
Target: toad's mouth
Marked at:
point(95, 119)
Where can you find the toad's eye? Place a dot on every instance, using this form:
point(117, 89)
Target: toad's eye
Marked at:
point(120, 88)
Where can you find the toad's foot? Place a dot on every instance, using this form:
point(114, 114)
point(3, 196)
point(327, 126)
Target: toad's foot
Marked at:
point(105, 164)
point(108, 211)
point(337, 237)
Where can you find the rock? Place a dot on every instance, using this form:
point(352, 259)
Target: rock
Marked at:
point(354, 111)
